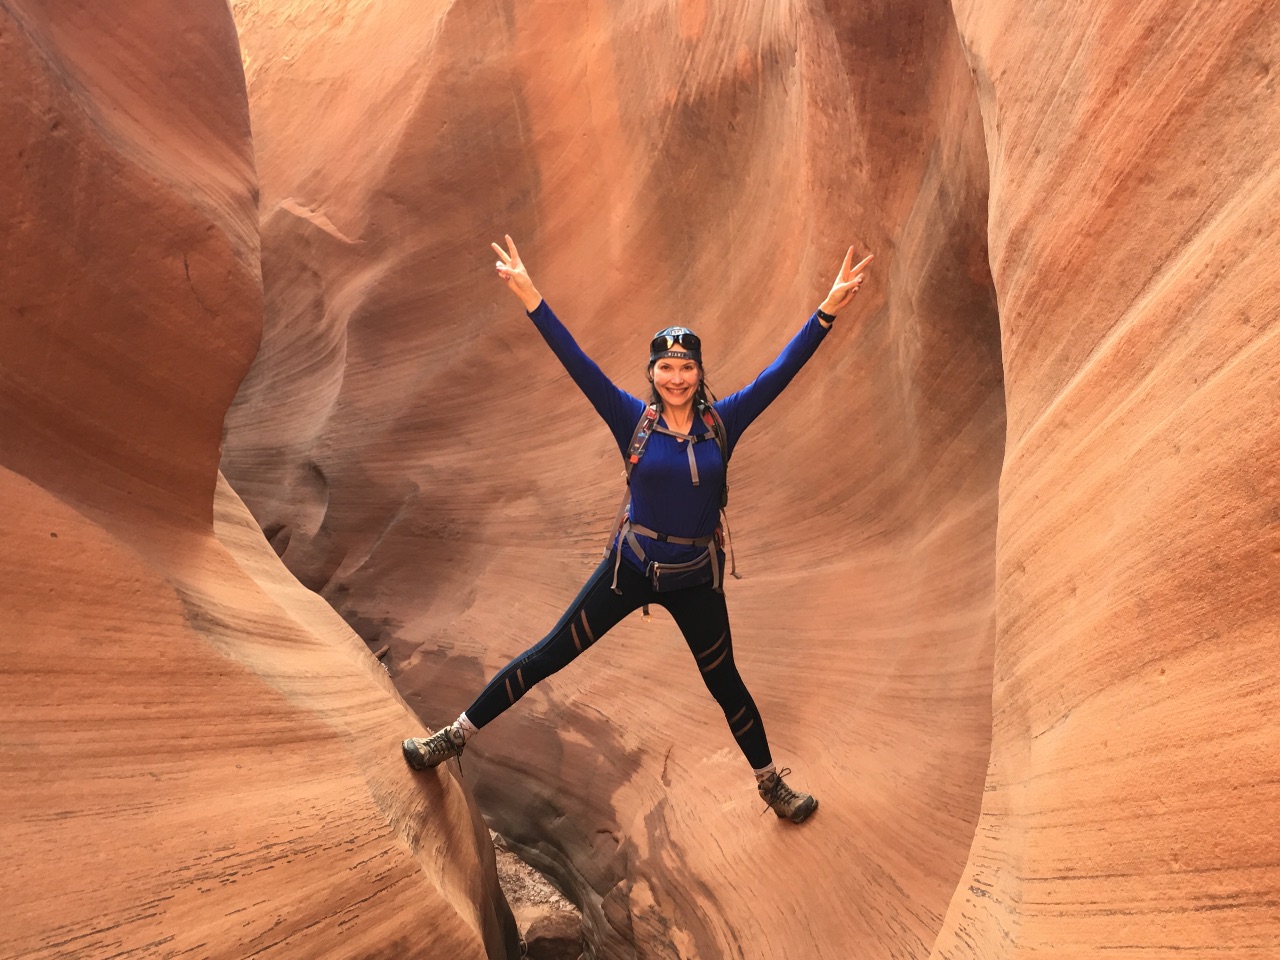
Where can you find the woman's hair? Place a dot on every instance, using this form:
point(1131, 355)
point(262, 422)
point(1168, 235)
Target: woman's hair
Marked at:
point(702, 395)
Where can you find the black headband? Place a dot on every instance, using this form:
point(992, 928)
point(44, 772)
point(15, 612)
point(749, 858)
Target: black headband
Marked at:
point(665, 341)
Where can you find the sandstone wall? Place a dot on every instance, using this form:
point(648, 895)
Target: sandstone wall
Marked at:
point(197, 752)
point(418, 457)
point(1131, 803)
point(1041, 645)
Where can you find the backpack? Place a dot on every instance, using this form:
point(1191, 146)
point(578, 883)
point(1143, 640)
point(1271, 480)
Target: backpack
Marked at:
point(645, 428)
point(648, 424)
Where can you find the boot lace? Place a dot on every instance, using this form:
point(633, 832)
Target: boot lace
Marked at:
point(443, 743)
point(779, 795)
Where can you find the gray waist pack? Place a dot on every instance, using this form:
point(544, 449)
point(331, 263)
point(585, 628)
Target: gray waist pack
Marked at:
point(666, 577)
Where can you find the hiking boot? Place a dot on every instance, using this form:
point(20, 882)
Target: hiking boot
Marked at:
point(784, 801)
point(423, 753)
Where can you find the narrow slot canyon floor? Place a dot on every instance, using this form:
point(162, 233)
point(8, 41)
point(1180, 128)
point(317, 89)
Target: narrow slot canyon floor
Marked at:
point(550, 925)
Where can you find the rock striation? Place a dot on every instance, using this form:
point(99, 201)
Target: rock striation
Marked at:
point(198, 754)
point(1131, 797)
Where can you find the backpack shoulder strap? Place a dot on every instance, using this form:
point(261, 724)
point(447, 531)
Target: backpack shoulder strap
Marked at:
point(635, 450)
point(711, 417)
point(639, 437)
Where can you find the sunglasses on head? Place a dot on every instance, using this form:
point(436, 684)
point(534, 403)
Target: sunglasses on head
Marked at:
point(674, 337)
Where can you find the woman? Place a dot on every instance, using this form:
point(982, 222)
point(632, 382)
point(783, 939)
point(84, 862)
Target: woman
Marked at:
point(666, 548)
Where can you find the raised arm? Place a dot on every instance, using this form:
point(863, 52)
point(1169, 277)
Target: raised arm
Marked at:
point(616, 407)
point(739, 409)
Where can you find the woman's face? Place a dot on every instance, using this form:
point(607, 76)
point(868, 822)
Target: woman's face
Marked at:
point(676, 379)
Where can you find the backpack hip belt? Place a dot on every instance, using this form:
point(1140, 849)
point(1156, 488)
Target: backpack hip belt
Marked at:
point(629, 530)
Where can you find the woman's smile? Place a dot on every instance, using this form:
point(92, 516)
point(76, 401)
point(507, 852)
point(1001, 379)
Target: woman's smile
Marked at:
point(676, 380)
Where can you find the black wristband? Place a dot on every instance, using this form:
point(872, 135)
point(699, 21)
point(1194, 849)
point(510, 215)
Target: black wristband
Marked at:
point(826, 317)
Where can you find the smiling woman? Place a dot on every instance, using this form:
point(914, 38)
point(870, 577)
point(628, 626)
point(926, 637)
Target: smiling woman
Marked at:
point(667, 546)
point(675, 370)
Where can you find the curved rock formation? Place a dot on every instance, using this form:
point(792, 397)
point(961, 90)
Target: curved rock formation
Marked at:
point(199, 755)
point(1131, 798)
point(1080, 705)
point(420, 459)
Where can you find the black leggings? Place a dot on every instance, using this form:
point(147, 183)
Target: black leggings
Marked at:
point(702, 616)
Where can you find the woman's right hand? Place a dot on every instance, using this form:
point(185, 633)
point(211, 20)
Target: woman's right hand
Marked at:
point(511, 269)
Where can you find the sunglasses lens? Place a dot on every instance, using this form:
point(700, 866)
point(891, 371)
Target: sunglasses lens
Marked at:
point(668, 341)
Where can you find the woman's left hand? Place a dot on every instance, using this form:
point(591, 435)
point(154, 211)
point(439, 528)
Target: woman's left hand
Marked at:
point(512, 269)
point(847, 283)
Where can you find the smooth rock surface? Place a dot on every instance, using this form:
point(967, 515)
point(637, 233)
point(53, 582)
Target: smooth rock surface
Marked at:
point(200, 758)
point(1134, 789)
point(1038, 705)
point(417, 455)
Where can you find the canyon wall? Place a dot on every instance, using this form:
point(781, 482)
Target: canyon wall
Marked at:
point(418, 457)
point(197, 752)
point(1131, 803)
point(1010, 542)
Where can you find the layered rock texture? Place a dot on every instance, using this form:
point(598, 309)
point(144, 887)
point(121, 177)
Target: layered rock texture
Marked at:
point(1134, 788)
point(419, 457)
point(198, 753)
point(1010, 541)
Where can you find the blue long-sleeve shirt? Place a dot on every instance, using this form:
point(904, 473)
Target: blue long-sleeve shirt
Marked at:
point(663, 496)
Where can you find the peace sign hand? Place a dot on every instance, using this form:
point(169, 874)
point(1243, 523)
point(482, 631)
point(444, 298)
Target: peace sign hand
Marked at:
point(847, 283)
point(511, 269)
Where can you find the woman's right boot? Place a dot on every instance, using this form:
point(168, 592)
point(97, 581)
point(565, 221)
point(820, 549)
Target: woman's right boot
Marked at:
point(423, 753)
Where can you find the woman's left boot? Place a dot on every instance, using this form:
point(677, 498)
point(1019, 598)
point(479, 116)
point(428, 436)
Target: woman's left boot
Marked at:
point(784, 801)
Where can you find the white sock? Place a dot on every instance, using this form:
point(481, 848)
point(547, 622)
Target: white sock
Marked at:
point(464, 729)
point(763, 773)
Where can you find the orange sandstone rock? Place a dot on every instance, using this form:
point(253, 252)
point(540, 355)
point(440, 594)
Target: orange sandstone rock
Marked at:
point(419, 458)
point(199, 757)
point(1095, 679)
point(1131, 799)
